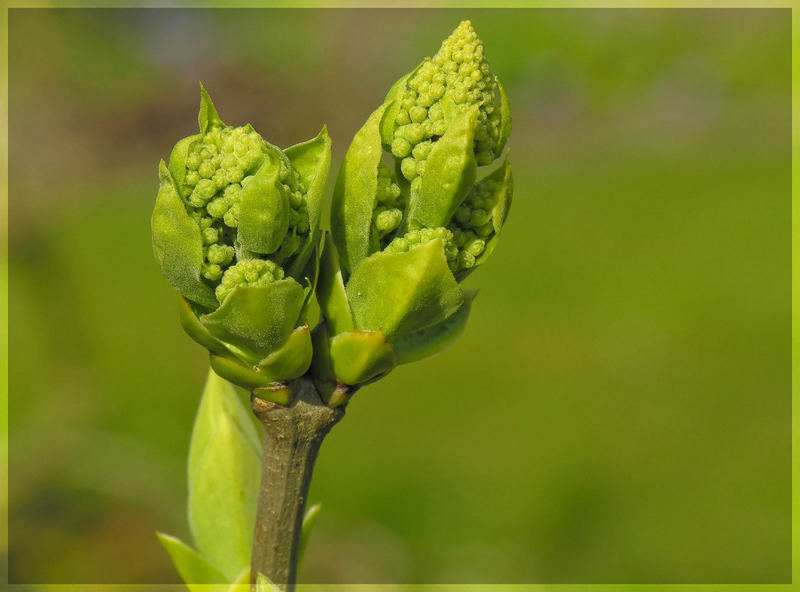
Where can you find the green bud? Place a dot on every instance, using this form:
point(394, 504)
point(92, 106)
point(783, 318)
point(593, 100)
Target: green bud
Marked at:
point(235, 229)
point(405, 237)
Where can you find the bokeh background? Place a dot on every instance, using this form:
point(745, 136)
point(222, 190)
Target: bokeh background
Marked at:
point(618, 409)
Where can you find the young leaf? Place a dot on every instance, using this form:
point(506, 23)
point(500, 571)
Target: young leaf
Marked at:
point(247, 377)
point(432, 340)
point(358, 357)
point(263, 209)
point(449, 174)
point(312, 159)
point(177, 159)
point(330, 290)
point(224, 473)
point(264, 584)
point(259, 319)
point(505, 118)
point(207, 117)
point(355, 193)
point(177, 244)
point(308, 524)
point(191, 324)
point(292, 359)
point(387, 124)
point(400, 293)
point(194, 570)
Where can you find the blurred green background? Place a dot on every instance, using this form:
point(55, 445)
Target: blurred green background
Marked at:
point(618, 409)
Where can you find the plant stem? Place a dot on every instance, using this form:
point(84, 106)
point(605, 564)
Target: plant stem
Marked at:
point(292, 438)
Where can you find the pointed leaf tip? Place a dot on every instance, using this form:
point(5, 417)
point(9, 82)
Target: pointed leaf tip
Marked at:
point(194, 569)
point(305, 533)
point(264, 584)
point(208, 116)
point(163, 171)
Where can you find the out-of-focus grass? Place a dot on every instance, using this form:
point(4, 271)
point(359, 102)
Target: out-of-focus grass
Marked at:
point(618, 408)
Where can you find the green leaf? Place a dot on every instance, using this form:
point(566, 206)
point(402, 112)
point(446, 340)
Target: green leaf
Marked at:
point(264, 584)
point(355, 193)
point(177, 159)
point(177, 244)
point(505, 117)
point(450, 172)
point(308, 523)
point(195, 571)
point(207, 117)
point(393, 105)
point(400, 293)
point(191, 324)
point(359, 357)
point(310, 273)
point(249, 378)
point(330, 290)
point(257, 320)
point(292, 359)
point(312, 159)
point(277, 392)
point(503, 193)
point(224, 475)
point(264, 208)
point(434, 339)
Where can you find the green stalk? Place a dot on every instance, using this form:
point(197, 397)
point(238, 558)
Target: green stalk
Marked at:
point(292, 438)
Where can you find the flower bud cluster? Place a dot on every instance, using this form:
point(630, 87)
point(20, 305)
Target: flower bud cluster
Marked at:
point(416, 238)
point(472, 225)
point(218, 166)
point(460, 74)
point(388, 212)
point(250, 273)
